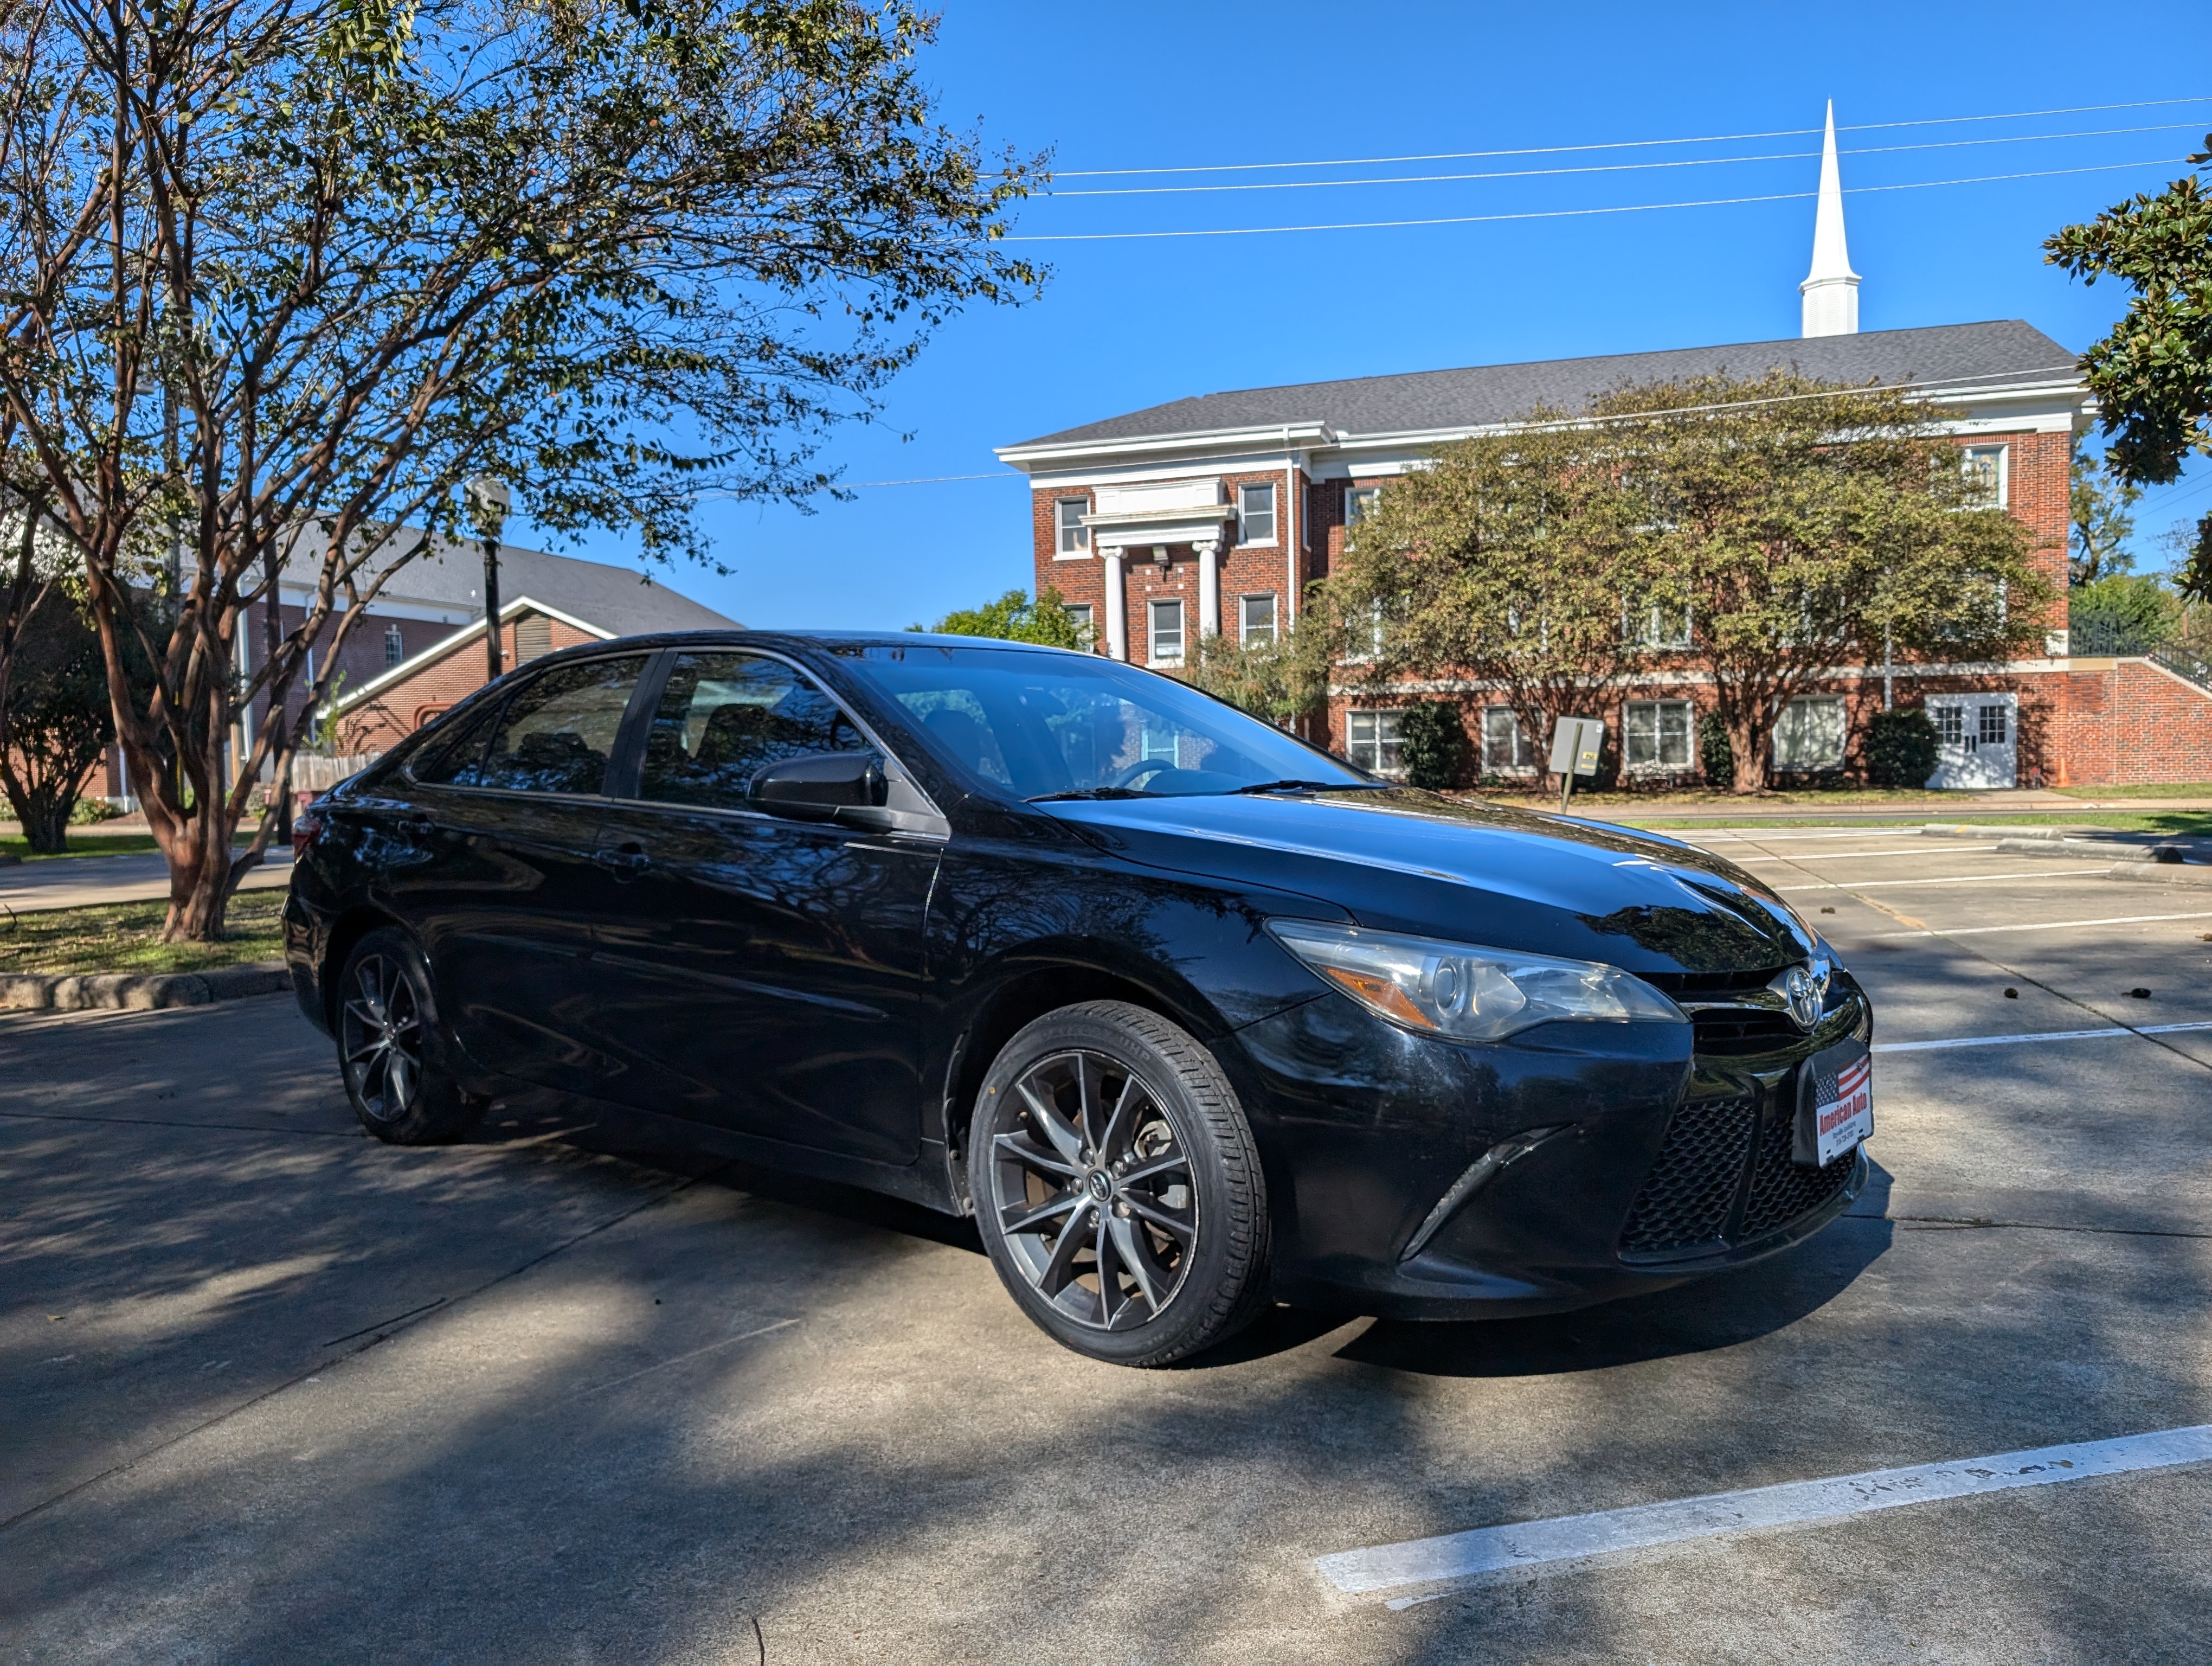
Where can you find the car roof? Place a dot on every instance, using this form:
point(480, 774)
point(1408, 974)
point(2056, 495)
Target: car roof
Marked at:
point(802, 639)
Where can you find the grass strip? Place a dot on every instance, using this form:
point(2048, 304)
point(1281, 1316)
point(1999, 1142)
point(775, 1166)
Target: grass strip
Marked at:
point(126, 937)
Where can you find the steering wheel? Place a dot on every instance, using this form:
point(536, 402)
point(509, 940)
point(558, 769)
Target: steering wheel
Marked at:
point(1144, 769)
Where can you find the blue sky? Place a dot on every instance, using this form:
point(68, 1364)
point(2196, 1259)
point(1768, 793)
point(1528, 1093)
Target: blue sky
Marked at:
point(1125, 323)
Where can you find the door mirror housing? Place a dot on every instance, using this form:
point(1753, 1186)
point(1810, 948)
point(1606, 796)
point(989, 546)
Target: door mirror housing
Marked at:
point(817, 787)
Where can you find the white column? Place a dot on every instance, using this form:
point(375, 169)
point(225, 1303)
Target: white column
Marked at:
point(1117, 604)
point(1208, 551)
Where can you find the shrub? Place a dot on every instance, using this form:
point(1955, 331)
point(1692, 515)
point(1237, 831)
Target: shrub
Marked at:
point(1715, 756)
point(1433, 747)
point(1900, 748)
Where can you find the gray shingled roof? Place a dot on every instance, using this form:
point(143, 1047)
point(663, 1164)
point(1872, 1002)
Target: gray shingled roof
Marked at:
point(1427, 399)
point(619, 599)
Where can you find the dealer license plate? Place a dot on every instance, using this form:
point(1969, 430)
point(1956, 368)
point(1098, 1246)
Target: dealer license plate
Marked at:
point(1835, 1103)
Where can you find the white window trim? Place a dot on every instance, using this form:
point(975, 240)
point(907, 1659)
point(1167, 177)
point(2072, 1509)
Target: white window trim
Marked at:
point(2004, 471)
point(1152, 655)
point(1082, 532)
point(1659, 766)
point(1844, 736)
point(1353, 495)
point(1482, 741)
point(1377, 713)
point(1275, 519)
point(1274, 614)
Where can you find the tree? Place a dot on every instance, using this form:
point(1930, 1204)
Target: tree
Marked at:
point(284, 275)
point(1507, 561)
point(2099, 503)
point(2153, 374)
point(2125, 613)
point(1432, 744)
point(1793, 526)
point(60, 721)
point(1284, 682)
point(1900, 748)
point(1013, 617)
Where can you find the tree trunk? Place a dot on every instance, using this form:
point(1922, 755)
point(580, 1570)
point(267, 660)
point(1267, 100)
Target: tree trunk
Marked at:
point(45, 827)
point(1748, 752)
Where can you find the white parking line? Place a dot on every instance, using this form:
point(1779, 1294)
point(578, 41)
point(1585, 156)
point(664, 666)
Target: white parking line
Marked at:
point(2048, 926)
point(1570, 1538)
point(1955, 880)
point(2046, 1035)
point(1778, 838)
point(1863, 855)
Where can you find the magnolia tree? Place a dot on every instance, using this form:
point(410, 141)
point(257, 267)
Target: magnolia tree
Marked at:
point(1764, 533)
point(282, 276)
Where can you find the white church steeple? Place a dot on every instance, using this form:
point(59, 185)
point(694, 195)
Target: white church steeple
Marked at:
point(1831, 289)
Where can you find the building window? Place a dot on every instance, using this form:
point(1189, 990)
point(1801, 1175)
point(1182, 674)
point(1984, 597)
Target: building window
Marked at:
point(1371, 741)
point(1255, 513)
point(1165, 643)
point(1809, 735)
point(1506, 748)
point(1656, 625)
point(1658, 734)
point(1987, 470)
point(395, 646)
point(1074, 538)
point(1079, 615)
point(1950, 725)
point(1359, 503)
point(1255, 619)
point(1993, 726)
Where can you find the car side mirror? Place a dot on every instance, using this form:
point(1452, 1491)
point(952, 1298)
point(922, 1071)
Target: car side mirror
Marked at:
point(815, 788)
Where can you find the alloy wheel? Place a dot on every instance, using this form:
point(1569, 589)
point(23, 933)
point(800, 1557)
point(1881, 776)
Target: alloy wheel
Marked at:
point(382, 1038)
point(1092, 1191)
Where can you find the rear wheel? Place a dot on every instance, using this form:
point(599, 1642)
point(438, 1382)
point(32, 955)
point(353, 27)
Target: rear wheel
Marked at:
point(1117, 1187)
point(391, 1049)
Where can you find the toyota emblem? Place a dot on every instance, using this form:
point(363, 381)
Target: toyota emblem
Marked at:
point(1804, 994)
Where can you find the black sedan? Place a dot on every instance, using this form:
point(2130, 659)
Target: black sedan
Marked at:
point(1189, 1015)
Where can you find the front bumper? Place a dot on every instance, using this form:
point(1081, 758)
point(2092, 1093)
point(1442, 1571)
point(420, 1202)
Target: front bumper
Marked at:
point(1668, 1163)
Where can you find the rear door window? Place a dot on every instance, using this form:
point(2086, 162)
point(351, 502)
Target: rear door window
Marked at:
point(558, 731)
point(724, 717)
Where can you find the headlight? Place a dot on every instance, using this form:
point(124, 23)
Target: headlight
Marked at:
point(1467, 994)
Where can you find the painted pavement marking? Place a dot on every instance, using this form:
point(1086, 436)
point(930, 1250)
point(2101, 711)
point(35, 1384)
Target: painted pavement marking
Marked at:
point(1517, 1545)
point(2044, 1036)
point(1956, 879)
point(2047, 926)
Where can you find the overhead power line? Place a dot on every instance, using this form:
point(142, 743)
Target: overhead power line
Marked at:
point(1622, 145)
point(1566, 214)
point(1604, 167)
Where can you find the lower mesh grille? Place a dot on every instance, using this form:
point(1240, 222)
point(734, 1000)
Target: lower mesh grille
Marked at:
point(1685, 1198)
point(1780, 1190)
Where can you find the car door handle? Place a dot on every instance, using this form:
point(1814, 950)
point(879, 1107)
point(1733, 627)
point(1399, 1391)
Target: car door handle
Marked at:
point(624, 861)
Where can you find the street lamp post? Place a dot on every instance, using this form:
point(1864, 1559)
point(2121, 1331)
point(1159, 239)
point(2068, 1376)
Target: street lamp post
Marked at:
point(488, 502)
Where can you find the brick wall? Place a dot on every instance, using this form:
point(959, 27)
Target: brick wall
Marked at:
point(2125, 722)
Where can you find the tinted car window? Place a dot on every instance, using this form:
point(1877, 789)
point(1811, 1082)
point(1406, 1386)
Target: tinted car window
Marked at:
point(724, 717)
point(1038, 724)
point(455, 759)
point(556, 732)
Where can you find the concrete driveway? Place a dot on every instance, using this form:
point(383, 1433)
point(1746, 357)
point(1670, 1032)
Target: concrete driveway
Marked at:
point(276, 1392)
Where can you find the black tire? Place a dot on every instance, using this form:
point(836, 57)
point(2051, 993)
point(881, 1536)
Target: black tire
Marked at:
point(1115, 1119)
point(392, 1051)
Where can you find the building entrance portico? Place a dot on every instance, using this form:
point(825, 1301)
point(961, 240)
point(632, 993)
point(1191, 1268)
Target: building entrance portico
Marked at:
point(1146, 522)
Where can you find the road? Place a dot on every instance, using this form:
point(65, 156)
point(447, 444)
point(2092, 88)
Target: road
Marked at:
point(142, 876)
point(276, 1393)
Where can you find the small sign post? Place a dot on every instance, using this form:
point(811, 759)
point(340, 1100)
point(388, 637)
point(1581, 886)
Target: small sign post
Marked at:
point(1576, 744)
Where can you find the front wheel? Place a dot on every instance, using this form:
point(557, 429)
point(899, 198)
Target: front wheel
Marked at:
point(1117, 1187)
point(390, 1047)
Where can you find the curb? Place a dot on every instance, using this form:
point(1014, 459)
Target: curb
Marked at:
point(2164, 874)
point(131, 991)
point(2040, 834)
point(2107, 849)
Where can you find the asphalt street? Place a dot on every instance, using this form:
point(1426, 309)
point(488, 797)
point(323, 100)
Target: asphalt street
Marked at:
point(276, 1393)
point(77, 882)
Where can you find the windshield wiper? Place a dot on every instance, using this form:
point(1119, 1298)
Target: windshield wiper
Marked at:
point(1311, 786)
point(1091, 793)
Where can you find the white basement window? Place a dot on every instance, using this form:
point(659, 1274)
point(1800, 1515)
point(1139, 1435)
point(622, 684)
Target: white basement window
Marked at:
point(1657, 733)
point(1506, 748)
point(1371, 741)
point(1809, 734)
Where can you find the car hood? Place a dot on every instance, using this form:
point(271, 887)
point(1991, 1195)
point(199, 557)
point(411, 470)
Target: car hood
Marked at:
point(1401, 859)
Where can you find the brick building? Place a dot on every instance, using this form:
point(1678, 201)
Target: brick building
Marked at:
point(1214, 514)
point(419, 647)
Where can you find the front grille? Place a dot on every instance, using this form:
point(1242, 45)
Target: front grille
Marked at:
point(1740, 1030)
point(1780, 1190)
point(1693, 1182)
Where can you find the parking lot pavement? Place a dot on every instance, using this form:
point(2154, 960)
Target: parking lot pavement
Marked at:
point(309, 1398)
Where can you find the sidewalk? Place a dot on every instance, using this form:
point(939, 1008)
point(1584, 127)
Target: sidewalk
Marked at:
point(1934, 806)
point(77, 882)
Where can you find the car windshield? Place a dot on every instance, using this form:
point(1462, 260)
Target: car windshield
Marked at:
point(1060, 725)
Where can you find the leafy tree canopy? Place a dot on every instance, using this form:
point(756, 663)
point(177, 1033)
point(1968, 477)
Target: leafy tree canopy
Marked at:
point(1013, 617)
point(2099, 504)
